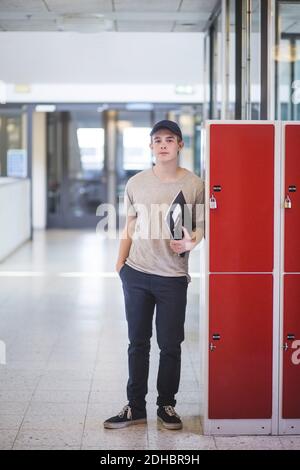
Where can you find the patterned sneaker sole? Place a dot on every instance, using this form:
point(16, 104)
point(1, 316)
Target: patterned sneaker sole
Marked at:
point(108, 425)
point(172, 426)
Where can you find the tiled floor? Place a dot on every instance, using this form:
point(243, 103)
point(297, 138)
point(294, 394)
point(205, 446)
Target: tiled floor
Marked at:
point(62, 319)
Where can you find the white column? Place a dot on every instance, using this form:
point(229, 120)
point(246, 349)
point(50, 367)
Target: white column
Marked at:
point(39, 171)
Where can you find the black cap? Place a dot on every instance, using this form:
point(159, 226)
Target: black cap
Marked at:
point(166, 124)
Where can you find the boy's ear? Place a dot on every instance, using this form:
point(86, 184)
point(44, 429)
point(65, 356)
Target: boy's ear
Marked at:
point(151, 145)
point(181, 144)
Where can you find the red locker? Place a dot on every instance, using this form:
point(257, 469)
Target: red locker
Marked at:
point(253, 278)
point(241, 163)
point(292, 191)
point(291, 350)
point(240, 344)
point(291, 281)
point(242, 182)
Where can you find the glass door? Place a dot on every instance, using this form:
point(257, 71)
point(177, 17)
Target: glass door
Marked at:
point(77, 181)
point(287, 56)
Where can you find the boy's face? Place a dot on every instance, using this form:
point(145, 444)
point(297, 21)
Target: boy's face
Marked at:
point(165, 145)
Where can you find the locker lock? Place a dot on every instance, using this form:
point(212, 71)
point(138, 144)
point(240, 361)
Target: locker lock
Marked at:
point(287, 202)
point(212, 202)
point(289, 337)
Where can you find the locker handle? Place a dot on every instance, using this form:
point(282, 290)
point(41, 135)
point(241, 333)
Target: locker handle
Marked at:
point(285, 347)
point(212, 347)
point(290, 336)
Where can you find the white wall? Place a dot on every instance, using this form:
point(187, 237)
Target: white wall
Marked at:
point(14, 214)
point(107, 93)
point(115, 66)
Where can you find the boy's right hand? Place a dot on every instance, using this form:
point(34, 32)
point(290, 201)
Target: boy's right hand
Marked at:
point(119, 266)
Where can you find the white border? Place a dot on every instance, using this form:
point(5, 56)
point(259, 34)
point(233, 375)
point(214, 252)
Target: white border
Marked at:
point(276, 276)
point(243, 426)
point(286, 426)
point(205, 315)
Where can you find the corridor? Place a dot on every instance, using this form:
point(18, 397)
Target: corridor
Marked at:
point(62, 321)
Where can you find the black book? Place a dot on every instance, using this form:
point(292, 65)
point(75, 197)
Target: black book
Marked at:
point(177, 216)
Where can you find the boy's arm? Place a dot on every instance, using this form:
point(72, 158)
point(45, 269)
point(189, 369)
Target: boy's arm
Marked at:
point(197, 236)
point(125, 241)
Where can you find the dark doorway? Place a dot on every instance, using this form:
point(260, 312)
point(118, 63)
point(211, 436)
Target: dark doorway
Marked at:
point(76, 176)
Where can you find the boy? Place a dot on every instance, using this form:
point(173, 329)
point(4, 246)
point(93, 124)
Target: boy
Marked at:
point(154, 272)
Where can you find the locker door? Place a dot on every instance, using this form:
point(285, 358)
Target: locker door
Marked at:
point(242, 181)
point(291, 352)
point(292, 190)
point(240, 361)
point(291, 287)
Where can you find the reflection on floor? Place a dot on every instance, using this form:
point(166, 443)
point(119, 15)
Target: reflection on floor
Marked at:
point(62, 321)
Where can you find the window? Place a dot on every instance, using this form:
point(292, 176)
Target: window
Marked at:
point(91, 146)
point(13, 153)
point(137, 154)
point(287, 56)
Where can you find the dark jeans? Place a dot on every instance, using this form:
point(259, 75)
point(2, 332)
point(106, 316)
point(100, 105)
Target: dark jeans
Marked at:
point(142, 292)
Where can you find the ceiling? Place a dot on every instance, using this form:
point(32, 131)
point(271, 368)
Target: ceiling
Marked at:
point(89, 16)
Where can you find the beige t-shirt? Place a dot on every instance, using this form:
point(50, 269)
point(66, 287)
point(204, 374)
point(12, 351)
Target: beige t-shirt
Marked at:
point(148, 198)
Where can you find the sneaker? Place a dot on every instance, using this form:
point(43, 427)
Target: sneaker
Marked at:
point(125, 418)
point(168, 417)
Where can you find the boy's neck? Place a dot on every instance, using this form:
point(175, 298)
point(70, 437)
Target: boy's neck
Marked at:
point(168, 172)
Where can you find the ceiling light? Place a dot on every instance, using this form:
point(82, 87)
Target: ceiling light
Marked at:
point(184, 90)
point(22, 88)
point(139, 106)
point(45, 108)
point(84, 23)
